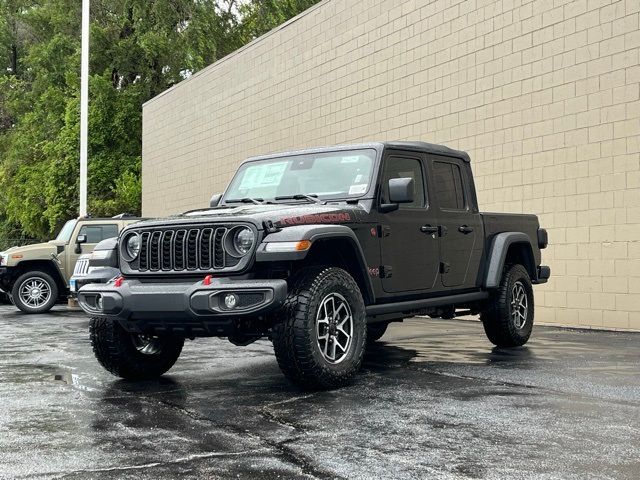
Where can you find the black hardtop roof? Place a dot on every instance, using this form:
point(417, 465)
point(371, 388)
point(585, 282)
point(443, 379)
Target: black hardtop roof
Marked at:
point(428, 148)
point(401, 145)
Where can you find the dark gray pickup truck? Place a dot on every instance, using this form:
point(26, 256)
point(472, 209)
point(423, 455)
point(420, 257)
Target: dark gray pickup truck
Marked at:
point(317, 250)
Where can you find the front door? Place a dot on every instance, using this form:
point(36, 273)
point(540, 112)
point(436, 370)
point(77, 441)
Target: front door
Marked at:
point(410, 257)
point(461, 228)
point(95, 232)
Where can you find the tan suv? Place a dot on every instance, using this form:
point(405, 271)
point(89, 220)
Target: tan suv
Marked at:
point(37, 276)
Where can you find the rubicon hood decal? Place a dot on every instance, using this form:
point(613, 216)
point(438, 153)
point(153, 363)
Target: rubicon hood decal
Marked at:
point(316, 218)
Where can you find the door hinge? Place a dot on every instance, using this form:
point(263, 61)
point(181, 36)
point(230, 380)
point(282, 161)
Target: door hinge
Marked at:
point(444, 267)
point(386, 271)
point(270, 227)
point(384, 231)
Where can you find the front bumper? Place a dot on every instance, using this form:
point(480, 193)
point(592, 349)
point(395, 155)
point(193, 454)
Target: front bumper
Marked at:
point(3, 273)
point(189, 309)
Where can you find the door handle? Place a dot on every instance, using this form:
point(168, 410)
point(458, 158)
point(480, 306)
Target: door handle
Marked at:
point(465, 229)
point(428, 229)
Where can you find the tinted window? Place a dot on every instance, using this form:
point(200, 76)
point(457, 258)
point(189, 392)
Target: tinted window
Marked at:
point(448, 183)
point(399, 167)
point(97, 233)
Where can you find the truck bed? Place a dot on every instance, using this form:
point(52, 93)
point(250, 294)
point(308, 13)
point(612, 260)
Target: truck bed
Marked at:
point(495, 223)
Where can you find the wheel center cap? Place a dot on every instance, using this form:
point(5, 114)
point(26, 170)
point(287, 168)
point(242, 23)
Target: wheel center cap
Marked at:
point(35, 292)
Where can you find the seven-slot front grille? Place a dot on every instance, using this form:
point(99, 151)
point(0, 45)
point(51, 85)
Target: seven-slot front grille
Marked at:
point(183, 249)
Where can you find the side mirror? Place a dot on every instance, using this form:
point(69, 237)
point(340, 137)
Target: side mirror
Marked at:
point(79, 241)
point(215, 200)
point(401, 190)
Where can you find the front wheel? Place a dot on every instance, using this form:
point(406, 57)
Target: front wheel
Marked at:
point(320, 336)
point(508, 315)
point(132, 356)
point(34, 292)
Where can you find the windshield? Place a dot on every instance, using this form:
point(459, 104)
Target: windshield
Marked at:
point(330, 175)
point(67, 230)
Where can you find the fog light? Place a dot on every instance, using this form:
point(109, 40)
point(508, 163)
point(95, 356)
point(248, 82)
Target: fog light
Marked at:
point(99, 302)
point(231, 300)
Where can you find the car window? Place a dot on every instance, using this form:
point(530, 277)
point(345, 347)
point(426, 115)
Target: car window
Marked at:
point(97, 233)
point(401, 167)
point(329, 175)
point(448, 185)
point(66, 231)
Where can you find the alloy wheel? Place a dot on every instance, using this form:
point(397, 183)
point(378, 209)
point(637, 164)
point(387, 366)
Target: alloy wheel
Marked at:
point(519, 305)
point(334, 328)
point(35, 292)
point(147, 344)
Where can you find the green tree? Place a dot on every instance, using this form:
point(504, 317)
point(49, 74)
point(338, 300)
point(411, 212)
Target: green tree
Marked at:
point(139, 48)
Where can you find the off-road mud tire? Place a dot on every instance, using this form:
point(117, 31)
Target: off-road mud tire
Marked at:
point(497, 317)
point(116, 351)
point(295, 337)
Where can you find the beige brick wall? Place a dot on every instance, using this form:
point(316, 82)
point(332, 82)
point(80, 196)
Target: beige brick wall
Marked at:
point(544, 94)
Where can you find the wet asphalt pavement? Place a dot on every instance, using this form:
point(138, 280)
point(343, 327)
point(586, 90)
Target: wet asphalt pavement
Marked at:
point(434, 400)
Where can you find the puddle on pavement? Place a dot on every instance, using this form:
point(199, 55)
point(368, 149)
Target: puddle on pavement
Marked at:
point(69, 378)
point(34, 373)
point(424, 350)
point(66, 377)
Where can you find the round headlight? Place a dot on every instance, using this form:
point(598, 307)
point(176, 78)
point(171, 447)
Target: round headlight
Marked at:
point(133, 246)
point(243, 240)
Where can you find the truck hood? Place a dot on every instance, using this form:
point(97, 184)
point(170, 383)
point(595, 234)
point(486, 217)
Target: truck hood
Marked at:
point(282, 215)
point(36, 251)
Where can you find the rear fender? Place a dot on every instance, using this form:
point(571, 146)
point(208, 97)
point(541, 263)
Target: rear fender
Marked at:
point(498, 252)
point(105, 254)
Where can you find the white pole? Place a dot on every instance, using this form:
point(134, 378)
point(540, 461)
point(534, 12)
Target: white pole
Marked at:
point(84, 107)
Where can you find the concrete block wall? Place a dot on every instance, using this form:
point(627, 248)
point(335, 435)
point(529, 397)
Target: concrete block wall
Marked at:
point(544, 94)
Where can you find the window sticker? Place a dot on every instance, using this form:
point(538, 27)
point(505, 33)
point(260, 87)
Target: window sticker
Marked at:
point(358, 178)
point(267, 175)
point(353, 159)
point(358, 189)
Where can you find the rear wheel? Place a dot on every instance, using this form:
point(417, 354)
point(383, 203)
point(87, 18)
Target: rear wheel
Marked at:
point(132, 356)
point(375, 331)
point(35, 292)
point(319, 339)
point(508, 316)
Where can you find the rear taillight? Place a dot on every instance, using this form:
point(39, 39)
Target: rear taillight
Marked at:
point(543, 238)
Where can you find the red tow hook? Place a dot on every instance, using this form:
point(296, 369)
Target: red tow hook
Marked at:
point(118, 281)
point(207, 280)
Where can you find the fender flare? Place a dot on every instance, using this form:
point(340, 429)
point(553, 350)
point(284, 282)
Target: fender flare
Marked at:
point(314, 233)
point(498, 254)
point(105, 253)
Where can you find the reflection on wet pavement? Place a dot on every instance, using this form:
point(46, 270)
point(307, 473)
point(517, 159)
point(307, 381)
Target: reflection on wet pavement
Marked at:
point(434, 400)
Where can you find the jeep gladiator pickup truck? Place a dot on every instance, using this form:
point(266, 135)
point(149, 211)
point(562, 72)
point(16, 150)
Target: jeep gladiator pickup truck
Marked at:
point(318, 250)
point(36, 277)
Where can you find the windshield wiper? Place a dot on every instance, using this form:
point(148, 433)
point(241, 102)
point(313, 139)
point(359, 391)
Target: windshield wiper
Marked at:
point(300, 196)
point(256, 201)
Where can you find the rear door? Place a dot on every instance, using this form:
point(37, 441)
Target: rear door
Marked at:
point(460, 227)
point(410, 256)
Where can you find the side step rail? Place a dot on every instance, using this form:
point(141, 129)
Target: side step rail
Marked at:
point(409, 306)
